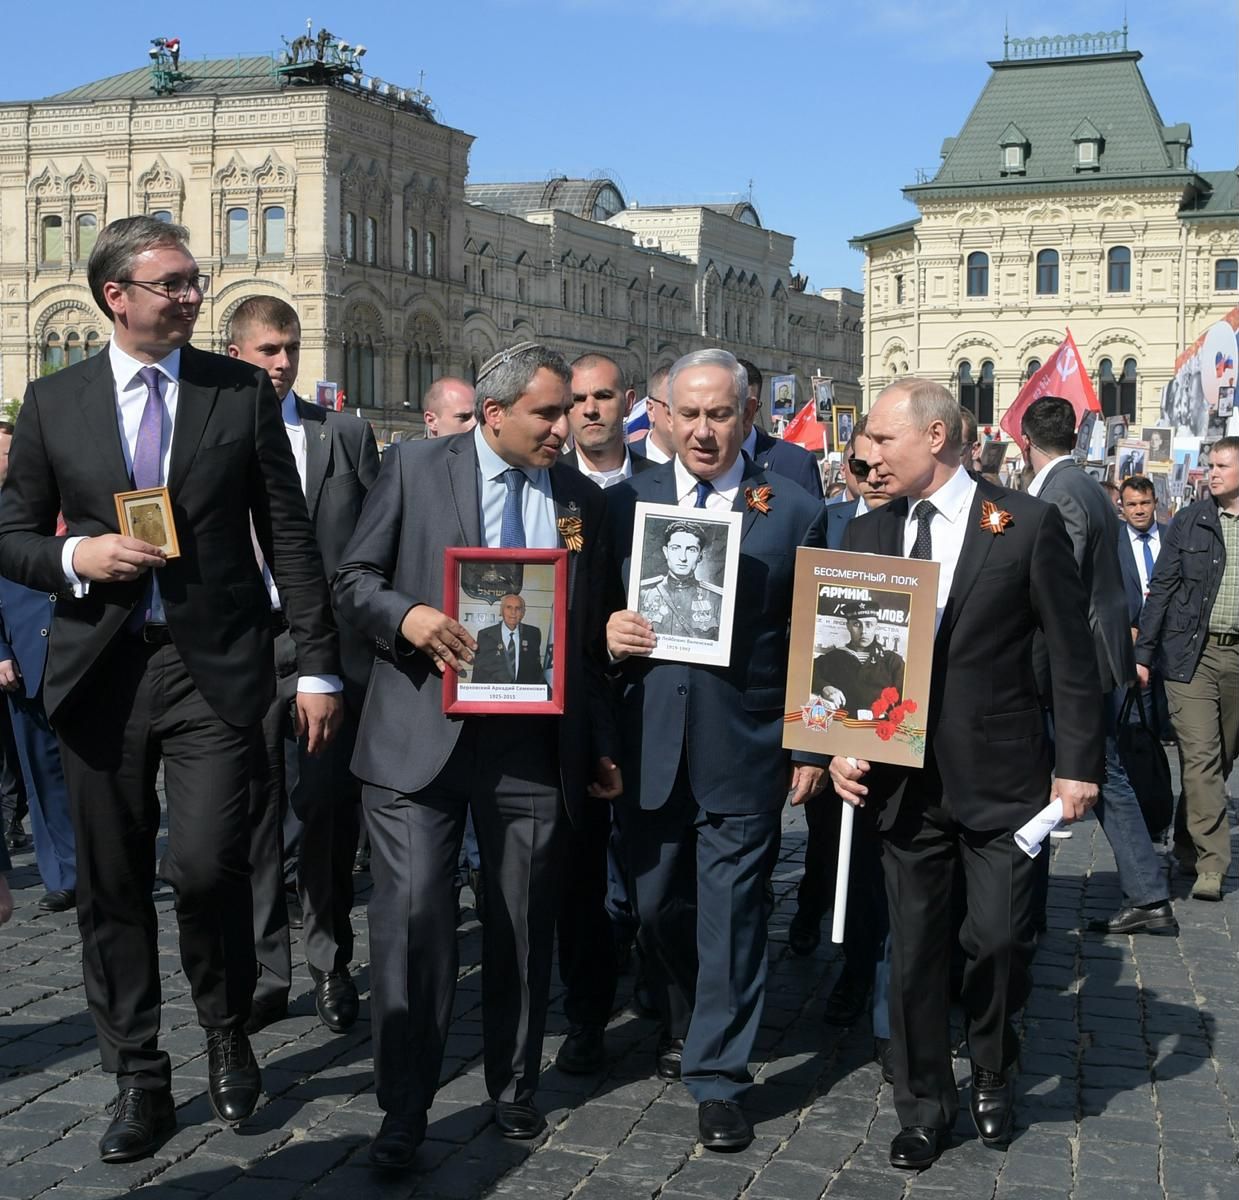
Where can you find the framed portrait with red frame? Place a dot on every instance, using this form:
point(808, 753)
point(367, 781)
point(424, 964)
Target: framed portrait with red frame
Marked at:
point(514, 603)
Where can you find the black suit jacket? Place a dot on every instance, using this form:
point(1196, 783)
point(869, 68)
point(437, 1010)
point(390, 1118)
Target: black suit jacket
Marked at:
point(1094, 527)
point(230, 459)
point(986, 745)
point(789, 460)
point(1132, 588)
point(426, 499)
point(491, 663)
point(341, 465)
point(639, 461)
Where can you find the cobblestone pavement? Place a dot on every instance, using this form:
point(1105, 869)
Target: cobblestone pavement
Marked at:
point(1129, 1085)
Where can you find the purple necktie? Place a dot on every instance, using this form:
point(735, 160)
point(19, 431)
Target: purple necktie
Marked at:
point(148, 449)
point(147, 472)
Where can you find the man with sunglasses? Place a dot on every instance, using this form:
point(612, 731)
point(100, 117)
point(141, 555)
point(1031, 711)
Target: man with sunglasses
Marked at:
point(156, 658)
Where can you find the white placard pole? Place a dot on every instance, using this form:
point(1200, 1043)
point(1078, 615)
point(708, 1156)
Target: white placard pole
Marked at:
point(842, 873)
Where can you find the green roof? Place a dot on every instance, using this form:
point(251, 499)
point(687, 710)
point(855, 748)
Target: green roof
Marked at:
point(1222, 200)
point(1046, 100)
point(203, 76)
point(861, 240)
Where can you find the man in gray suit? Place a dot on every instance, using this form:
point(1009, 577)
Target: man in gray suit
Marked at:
point(1049, 435)
point(305, 804)
point(502, 485)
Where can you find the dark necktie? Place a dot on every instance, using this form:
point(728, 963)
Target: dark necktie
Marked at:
point(148, 473)
point(512, 526)
point(923, 546)
point(512, 654)
point(703, 490)
point(1145, 539)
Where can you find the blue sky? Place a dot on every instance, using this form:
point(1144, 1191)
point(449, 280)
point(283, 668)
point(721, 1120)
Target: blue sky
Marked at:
point(829, 107)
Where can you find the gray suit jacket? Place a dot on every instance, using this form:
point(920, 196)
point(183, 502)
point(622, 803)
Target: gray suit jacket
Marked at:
point(1093, 526)
point(425, 500)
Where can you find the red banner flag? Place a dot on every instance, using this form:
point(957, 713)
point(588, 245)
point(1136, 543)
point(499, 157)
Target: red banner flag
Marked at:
point(1063, 375)
point(805, 429)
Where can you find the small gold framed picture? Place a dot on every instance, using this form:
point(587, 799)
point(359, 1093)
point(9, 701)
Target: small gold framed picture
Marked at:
point(147, 515)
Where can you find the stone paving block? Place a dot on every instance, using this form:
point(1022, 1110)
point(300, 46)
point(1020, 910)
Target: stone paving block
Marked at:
point(596, 1127)
point(787, 1181)
point(711, 1175)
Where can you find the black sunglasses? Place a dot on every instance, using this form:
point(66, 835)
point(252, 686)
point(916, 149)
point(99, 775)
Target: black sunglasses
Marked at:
point(859, 468)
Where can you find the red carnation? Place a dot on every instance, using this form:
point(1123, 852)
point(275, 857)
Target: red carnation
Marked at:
point(885, 730)
point(909, 706)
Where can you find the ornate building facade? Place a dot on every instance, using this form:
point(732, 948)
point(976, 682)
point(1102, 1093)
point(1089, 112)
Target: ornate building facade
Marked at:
point(1065, 201)
point(346, 197)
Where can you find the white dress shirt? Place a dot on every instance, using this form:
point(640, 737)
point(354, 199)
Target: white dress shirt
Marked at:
point(537, 503)
point(724, 487)
point(953, 500)
point(1038, 480)
point(1137, 548)
point(653, 451)
point(606, 479)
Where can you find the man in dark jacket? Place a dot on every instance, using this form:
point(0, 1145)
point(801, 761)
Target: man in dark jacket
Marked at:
point(1190, 628)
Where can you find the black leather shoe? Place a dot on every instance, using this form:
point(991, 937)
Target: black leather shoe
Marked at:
point(991, 1106)
point(335, 997)
point(396, 1142)
point(916, 1147)
point(847, 1000)
point(233, 1079)
point(15, 837)
point(804, 934)
point(723, 1125)
point(670, 1057)
point(884, 1056)
point(1153, 918)
point(519, 1121)
point(583, 1051)
point(142, 1119)
point(477, 887)
point(60, 901)
point(267, 1013)
point(296, 915)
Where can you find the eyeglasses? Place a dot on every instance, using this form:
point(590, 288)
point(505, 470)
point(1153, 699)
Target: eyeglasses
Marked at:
point(859, 468)
point(175, 289)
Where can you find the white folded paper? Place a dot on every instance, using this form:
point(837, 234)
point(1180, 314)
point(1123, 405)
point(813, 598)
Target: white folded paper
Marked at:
point(1029, 837)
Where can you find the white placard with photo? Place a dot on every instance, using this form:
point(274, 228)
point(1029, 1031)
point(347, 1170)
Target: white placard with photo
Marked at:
point(682, 579)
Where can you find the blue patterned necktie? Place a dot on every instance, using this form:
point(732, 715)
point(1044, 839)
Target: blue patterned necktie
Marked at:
point(1145, 539)
point(923, 546)
point(512, 526)
point(703, 490)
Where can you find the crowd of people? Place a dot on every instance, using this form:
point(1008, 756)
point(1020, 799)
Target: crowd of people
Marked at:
point(284, 657)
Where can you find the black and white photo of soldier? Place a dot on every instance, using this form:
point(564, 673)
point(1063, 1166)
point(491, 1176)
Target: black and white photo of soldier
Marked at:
point(677, 600)
point(853, 675)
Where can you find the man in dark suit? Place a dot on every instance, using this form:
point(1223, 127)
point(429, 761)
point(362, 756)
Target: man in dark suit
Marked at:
point(501, 485)
point(656, 445)
point(595, 922)
point(1140, 543)
point(25, 623)
point(509, 651)
point(1007, 571)
point(702, 827)
point(771, 453)
point(1049, 429)
point(308, 799)
point(155, 658)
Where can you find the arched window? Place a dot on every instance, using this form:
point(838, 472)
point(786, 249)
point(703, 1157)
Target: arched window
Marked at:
point(350, 236)
point(429, 371)
point(1033, 366)
point(52, 241)
point(1047, 273)
point(238, 232)
point(273, 231)
point(1127, 389)
point(1226, 275)
point(431, 258)
point(1118, 269)
point(53, 353)
point(352, 369)
point(1107, 389)
point(163, 214)
point(410, 250)
point(967, 386)
point(372, 241)
point(985, 394)
point(978, 274)
point(412, 379)
point(73, 348)
point(365, 394)
point(94, 343)
point(87, 232)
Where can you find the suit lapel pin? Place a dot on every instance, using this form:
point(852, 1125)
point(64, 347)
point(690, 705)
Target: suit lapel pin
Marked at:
point(322, 435)
point(994, 519)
